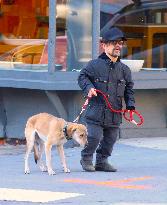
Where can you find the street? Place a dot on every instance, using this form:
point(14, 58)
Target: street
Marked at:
point(141, 177)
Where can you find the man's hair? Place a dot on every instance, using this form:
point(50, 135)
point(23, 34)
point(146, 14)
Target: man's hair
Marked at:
point(105, 41)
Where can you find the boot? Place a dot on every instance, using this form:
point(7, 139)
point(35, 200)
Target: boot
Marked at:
point(102, 164)
point(105, 167)
point(87, 165)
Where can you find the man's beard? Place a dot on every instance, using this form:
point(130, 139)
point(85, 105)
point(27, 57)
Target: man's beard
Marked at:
point(115, 54)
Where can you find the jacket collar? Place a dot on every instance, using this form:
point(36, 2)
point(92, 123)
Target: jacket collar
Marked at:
point(106, 58)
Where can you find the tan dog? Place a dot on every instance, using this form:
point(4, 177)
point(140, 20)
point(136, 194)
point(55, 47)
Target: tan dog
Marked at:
point(46, 130)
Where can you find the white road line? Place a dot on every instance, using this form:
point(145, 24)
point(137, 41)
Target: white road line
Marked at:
point(34, 195)
point(138, 203)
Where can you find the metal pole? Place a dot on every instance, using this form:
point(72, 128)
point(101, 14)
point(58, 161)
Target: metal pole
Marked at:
point(95, 28)
point(52, 36)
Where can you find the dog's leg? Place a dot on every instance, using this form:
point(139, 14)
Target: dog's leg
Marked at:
point(30, 144)
point(48, 148)
point(62, 157)
point(42, 166)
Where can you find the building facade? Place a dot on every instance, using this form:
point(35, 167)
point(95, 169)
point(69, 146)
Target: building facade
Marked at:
point(45, 43)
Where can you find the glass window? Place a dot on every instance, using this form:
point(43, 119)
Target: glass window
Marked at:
point(145, 25)
point(24, 29)
point(24, 33)
point(79, 33)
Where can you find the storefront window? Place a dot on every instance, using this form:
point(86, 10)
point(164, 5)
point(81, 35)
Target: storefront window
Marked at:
point(79, 33)
point(24, 29)
point(145, 25)
point(23, 35)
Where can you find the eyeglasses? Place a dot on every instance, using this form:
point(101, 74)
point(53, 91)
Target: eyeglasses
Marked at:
point(119, 42)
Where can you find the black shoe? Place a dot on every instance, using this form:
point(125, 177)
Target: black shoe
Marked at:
point(87, 166)
point(105, 167)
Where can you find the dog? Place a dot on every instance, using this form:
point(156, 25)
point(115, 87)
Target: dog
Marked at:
point(44, 130)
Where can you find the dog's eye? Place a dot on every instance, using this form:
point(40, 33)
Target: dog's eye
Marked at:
point(82, 135)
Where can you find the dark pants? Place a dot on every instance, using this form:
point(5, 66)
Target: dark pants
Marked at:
point(100, 139)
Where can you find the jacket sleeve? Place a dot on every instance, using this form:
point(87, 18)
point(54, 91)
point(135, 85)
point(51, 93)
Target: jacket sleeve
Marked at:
point(85, 78)
point(129, 93)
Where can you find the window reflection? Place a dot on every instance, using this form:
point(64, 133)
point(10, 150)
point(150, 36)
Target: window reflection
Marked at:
point(24, 29)
point(145, 25)
point(23, 35)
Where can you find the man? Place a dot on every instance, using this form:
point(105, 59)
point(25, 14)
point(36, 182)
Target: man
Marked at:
point(113, 78)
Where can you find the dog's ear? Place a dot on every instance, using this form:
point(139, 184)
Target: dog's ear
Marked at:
point(72, 128)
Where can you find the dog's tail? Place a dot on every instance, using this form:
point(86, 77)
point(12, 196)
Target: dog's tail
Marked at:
point(29, 131)
point(36, 148)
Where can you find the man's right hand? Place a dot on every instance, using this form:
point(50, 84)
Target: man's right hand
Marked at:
point(92, 92)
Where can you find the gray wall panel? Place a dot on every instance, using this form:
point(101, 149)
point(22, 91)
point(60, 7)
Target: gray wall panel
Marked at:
point(20, 104)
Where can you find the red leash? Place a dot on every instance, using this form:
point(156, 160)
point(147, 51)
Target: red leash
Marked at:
point(127, 114)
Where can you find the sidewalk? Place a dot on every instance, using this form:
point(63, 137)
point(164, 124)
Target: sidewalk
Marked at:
point(154, 143)
point(8, 149)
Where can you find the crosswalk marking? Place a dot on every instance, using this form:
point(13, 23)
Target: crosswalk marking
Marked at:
point(34, 195)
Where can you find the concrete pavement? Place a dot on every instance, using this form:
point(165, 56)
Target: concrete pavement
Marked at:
point(141, 178)
point(154, 143)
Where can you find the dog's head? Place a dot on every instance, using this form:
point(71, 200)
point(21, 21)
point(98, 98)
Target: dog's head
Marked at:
point(79, 134)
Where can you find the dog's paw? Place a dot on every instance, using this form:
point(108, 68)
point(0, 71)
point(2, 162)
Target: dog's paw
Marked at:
point(51, 172)
point(67, 170)
point(43, 168)
point(26, 171)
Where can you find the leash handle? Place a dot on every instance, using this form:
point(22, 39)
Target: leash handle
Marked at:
point(130, 118)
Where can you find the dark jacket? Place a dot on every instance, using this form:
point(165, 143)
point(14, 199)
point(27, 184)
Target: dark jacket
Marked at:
point(115, 81)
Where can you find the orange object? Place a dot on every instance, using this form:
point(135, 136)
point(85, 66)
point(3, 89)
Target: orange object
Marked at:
point(122, 184)
point(2, 141)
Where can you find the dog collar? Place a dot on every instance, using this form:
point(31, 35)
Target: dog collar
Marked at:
point(65, 131)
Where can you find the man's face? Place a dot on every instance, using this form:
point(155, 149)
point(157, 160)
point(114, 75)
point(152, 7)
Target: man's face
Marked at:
point(113, 48)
